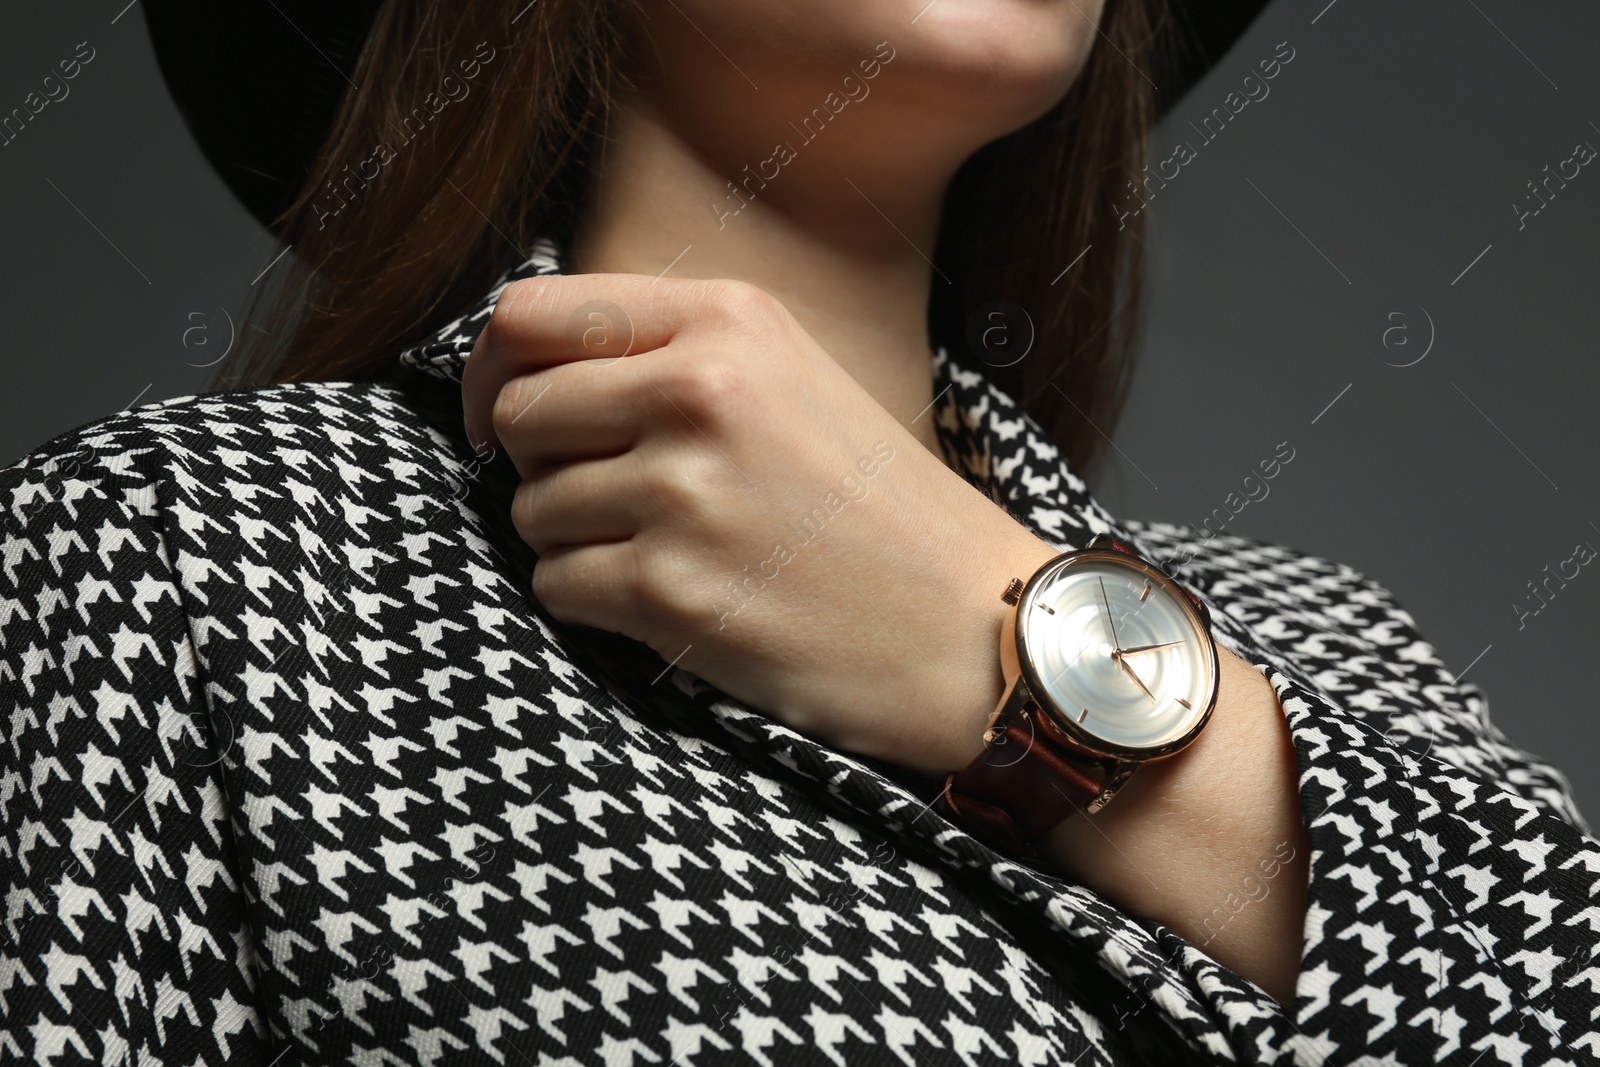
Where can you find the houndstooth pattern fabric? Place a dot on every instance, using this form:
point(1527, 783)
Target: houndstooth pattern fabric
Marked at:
point(296, 770)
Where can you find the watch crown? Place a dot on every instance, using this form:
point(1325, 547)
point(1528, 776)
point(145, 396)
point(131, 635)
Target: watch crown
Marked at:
point(1013, 591)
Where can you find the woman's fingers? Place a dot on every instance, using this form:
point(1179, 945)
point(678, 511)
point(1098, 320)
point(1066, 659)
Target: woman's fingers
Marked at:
point(539, 323)
point(606, 586)
point(574, 411)
point(582, 502)
point(592, 410)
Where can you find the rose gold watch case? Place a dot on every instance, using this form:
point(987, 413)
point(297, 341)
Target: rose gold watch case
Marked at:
point(1025, 692)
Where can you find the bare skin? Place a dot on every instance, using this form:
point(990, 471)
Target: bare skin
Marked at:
point(841, 236)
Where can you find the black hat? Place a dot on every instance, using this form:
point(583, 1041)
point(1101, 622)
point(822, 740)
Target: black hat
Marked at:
point(259, 81)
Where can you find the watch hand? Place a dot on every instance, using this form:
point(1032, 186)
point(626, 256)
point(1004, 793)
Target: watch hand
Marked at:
point(1114, 642)
point(1130, 672)
point(1150, 648)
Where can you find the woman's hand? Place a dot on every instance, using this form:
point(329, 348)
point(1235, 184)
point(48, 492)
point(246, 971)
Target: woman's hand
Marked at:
point(667, 484)
point(700, 475)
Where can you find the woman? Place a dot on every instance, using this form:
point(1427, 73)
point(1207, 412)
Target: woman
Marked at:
point(584, 683)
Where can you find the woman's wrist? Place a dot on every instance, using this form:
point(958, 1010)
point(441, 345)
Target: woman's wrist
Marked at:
point(951, 735)
point(1190, 840)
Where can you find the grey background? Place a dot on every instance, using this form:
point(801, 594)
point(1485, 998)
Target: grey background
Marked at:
point(1382, 165)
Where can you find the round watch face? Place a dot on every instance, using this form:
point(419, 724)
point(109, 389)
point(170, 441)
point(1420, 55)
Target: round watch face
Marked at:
point(1119, 651)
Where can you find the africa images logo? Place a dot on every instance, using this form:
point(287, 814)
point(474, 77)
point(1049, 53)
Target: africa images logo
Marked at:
point(1210, 128)
point(855, 90)
point(451, 90)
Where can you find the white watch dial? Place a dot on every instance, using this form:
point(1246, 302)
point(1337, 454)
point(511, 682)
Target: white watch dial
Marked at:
point(1125, 660)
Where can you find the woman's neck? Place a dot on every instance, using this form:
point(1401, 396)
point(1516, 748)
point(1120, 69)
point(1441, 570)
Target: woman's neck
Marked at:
point(841, 244)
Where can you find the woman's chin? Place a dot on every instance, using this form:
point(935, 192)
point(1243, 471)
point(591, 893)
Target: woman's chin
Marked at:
point(1020, 65)
point(1001, 94)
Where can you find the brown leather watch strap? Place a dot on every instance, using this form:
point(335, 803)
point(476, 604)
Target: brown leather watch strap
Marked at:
point(1018, 788)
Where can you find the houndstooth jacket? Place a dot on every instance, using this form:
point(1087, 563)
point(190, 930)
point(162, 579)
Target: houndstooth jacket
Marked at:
point(296, 770)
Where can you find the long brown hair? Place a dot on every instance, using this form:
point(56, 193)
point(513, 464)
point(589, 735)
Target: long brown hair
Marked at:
point(455, 155)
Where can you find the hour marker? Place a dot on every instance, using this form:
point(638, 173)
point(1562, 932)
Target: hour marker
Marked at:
point(1145, 593)
point(1082, 714)
point(1186, 704)
point(1046, 607)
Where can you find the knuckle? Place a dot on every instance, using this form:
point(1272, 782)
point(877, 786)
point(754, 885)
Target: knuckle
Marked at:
point(509, 405)
point(741, 303)
point(520, 309)
point(576, 586)
point(674, 489)
point(655, 584)
point(706, 388)
point(507, 312)
point(525, 515)
point(548, 582)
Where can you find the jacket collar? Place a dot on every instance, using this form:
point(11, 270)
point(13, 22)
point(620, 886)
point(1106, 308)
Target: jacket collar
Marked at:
point(986, 436)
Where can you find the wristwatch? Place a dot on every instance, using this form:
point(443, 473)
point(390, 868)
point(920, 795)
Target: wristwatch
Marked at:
point(1108, 663)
